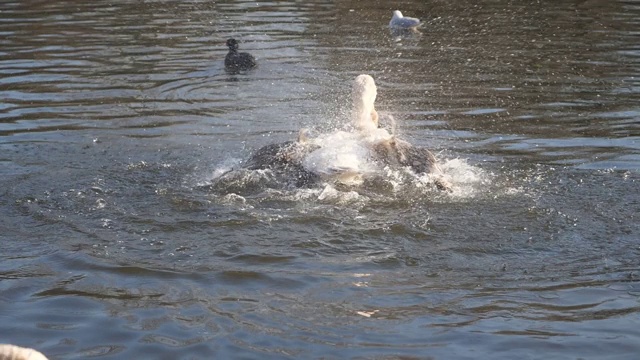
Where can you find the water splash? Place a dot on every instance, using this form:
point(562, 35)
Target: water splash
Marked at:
point(342, 154)
point(353, 159)
point(348, 176)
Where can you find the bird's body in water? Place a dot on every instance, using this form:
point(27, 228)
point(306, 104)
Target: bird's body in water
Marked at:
point(395, 152)
point(284, 159)
point(238, 61)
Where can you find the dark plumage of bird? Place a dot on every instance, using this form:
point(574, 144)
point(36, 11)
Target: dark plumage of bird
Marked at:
point(238, 61)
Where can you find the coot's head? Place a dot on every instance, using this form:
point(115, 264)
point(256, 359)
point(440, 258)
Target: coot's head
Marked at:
point(232, 44)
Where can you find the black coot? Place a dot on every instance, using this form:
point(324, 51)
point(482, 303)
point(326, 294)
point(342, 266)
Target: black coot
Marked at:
point(238, 61)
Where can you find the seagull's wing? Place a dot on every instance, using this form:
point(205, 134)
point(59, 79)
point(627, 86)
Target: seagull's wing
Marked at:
point(405, 22)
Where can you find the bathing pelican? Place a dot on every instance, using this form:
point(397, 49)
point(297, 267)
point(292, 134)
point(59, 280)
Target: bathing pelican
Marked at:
point(387, 148)
point(238, 61)
point(400, 22)
point(344, 156)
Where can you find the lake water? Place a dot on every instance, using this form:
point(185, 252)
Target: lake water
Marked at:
point(117, 241)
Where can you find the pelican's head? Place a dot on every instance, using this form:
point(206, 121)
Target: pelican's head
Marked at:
point(364, 91)
point(363, 95)
point(397, 14)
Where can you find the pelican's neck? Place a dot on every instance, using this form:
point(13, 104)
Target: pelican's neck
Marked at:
point(363, 95)
point(362, 116)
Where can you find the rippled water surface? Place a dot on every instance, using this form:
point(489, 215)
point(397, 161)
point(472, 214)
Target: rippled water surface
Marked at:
point(119, 242)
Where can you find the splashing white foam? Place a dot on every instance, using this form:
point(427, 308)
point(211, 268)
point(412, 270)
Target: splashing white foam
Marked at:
point(224, 168)
point(467, 180)
point(341, 154)
point(461, 172)
point(345, 156)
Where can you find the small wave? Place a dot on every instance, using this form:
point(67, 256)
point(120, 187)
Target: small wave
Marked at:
point(331, 194)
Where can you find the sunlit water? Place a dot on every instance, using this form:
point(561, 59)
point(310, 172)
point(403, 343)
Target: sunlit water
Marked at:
point(117, 241)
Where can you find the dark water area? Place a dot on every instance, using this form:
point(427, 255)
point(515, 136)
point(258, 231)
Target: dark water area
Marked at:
point(118, 242)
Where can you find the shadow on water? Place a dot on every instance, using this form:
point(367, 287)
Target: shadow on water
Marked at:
point(117, 118)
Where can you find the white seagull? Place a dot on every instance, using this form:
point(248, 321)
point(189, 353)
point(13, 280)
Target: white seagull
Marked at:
point(400, 22)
